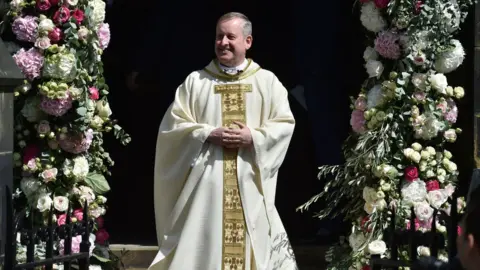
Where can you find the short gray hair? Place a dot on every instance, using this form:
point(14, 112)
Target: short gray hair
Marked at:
point(247, 25)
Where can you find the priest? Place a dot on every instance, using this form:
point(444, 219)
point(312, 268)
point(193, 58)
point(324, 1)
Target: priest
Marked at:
point(219, 149)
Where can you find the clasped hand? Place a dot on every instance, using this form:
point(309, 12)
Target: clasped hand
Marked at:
point(232, 138)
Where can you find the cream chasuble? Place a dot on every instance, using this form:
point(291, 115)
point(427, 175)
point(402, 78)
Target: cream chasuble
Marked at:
point(214, 207)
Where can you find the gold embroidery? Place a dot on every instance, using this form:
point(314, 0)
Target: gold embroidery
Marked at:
point(234, 226)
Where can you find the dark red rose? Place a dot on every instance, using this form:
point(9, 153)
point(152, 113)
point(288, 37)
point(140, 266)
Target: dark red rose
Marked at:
point(433, 185)
point(363, 223)
point(44, 5)
point(55, 35)
point(411, 173)
point(62, 15)
point(78, 15)
point(100, 222)
point(102, 236)
point(31, 151)
point(381, 3)
point(54, 2)
point(366, 267)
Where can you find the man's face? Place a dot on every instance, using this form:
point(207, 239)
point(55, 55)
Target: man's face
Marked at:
point(230, 44)
point(468, 252)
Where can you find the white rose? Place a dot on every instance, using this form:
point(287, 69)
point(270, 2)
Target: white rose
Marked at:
point(96, 122)
point(377, 247)
point(419, 80)
point(45, 25)
point(72, 2)
point(423, 251)
point(80, 167)
point(437, 198)
point(44, 203)
point(416, 157)
point(374, 68)
point(451, 167)
point(450, 135)
point(431, 150)
point(459, 92)
point(16, 5)
point(60, 203)
point(439, 82)
point(42, 43)
point(83, 33)
point(370, 54)
point(447, 154)
point(449, 189)
point(425, 155)
point(441, 228)
point(101, 199)
point(103, 109)
point(430, 174)
point(423, 211)
point(380, 205)
point(369, 207)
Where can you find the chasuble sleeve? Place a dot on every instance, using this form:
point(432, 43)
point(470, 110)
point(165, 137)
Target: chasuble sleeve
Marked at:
point(271, 140)
point(180, 141)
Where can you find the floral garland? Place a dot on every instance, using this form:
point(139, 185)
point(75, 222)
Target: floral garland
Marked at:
point(402, 121)
point(62, 113)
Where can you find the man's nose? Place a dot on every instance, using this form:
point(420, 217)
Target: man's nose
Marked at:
point(224, 41)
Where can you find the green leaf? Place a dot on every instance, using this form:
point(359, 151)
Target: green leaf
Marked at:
point(101, 259)
point(97, 182)
point(82, 111)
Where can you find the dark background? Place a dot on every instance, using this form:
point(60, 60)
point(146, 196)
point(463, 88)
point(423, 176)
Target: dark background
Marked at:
point(317, 44)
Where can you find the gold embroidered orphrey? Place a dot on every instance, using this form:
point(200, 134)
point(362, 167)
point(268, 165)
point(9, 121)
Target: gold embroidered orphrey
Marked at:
point(234, 225)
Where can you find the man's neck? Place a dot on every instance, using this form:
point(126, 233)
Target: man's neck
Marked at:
point(233, 65)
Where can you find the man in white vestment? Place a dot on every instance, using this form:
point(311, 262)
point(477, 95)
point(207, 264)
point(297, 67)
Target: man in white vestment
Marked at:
point(219, 148)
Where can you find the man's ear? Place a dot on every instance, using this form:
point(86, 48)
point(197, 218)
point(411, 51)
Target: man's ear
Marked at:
point(248, 41)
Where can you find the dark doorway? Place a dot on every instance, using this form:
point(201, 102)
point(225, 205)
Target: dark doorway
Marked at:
point(177, 39)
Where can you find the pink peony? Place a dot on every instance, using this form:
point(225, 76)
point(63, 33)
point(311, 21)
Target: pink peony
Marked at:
point(56, 107)
point(78, 214)
point(104, 35)
point(44, 5)
point(94, 94)
point(30, 62)
point(25, 28)
point(76, 240)
point(381, 3)
point(361, 104)
point(417, 224)
point(55, 35)
point(102, 236)
point(357, 121)
point(386, 44)
point(62, 15)
point(78, 15)
point(76, 143)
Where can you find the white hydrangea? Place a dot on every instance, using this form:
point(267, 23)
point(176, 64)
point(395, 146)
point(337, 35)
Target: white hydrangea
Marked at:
point(371, 18)
point(413, 192)
point(31, 110)
point(450, 60)
point(98, 13)
point(80, 167)
point(375, 96)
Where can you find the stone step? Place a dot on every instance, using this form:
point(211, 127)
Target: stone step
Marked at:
point(137, 257)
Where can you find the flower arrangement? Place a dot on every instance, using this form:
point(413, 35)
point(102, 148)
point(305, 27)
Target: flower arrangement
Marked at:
point(62, 114)
point(403, 119)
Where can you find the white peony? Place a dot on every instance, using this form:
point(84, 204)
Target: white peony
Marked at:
point(60, 203)
point(374, 68)
point(371, 17)
point(419, 80)
point(80, 167)
point(103, 109)
point(437, 198)
point(98, 13)
point(423, 211)
point(45, 25)
point(377, 247)
point(44, 202)
point(370, 54)
point(439, 82)
point(450, 60)
point(413, 192)
point(369, 194)
point(16, 5)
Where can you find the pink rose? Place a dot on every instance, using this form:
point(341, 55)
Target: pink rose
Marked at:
point(42, 43)
point(78, 15)
point(93, 93)
point(102, 236)
point(78, 214)
point(100, 222)
point(55, 35)
point(417, 224)
point(419, 96)
point(43, 5)
point(62, 15)
point(49, 175)
point(62, 219)
point(361, 104)
point(76, 240)
point(32, 164)
point(357, 121)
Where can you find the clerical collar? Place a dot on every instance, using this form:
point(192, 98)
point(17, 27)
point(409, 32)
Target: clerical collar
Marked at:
point(234, 70)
